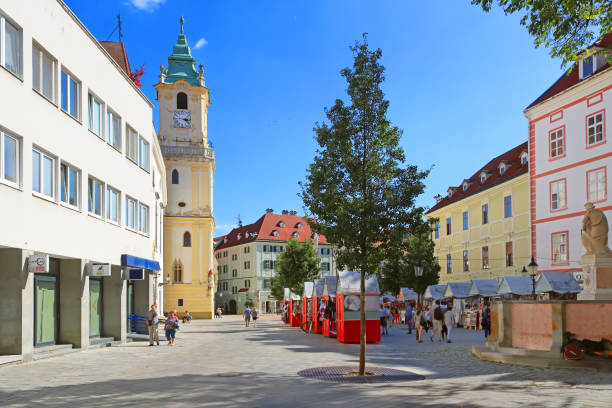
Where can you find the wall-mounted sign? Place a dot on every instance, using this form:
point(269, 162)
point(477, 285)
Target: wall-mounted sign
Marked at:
point(98, 269)
point(134, 274)
point(38, 263)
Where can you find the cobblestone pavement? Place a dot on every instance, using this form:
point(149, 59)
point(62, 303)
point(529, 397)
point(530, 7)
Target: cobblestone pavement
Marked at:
point(221, 363)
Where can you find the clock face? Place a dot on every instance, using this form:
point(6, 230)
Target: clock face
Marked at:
point(181, 119)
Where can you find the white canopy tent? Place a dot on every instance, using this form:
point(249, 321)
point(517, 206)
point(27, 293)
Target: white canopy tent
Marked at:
point(308, 289)
point(558, 282)
point(483, 287)
point(350, 282)
point(318, 287)
point(458, 290)
point(329, 286)
point(515, 285)
point(434, 292)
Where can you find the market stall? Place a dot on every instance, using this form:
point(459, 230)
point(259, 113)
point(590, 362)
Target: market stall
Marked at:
point(317, 294)
point(483, 288)
point(558, 285)
point(307, 305)
point(434, 292)
point(329, 300)
point(295, 310)
point(515, 287)
point(467, 310)
point(349, 308)
point(408, 295)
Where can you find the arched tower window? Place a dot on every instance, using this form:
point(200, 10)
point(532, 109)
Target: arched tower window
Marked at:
point(177, 269)
point(181, 100)
point(186, 239)
point(175, 178)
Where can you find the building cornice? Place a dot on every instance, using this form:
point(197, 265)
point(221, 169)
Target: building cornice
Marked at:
point(104, 52)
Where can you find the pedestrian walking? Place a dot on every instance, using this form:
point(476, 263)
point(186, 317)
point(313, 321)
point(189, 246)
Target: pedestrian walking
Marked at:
point(409, 317)
point(255, 315)
point(247, 316)
point(438, 317)
point(449, 322)
point(153, 324)
point(420, 322)
point(396, 316)
point(384, 316)
point(171, 326)
point(486, 320)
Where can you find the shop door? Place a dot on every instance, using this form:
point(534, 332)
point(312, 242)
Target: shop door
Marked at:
point(45, 310)
point(95, 307)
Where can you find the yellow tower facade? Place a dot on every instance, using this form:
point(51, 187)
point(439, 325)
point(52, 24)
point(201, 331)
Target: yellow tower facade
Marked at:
point(190, 276)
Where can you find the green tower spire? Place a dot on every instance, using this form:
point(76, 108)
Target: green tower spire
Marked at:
point(181, 65)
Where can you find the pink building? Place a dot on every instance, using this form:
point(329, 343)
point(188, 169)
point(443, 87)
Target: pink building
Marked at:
point(570, 159)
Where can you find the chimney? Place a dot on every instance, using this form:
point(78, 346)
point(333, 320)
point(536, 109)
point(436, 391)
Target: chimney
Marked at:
point(269, 211)
point(284, 212)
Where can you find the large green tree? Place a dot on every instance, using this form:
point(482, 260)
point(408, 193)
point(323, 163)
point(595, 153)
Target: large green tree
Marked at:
point(297, 264)
point(398, 269)
point(565, 26)
point(358, 188)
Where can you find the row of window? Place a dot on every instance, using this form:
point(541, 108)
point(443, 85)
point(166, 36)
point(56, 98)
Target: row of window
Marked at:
point(595, 135)
point(44, 82)
point(485, 259)
point(247, 284)
point(52, 177)
point(596, 190)
point(466, 223)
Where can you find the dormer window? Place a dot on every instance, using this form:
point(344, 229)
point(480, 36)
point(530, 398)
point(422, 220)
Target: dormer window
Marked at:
point(275, 233)
point(295, 234)
point(465, 185)
point(451, 191)
point(524, 158)
point(483, 177)
point(298, 225)
point(590, 65)
point(239, 236)
point(502, 168)
point(281, 224)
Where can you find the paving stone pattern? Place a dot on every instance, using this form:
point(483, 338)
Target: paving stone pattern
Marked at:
point(222, 363)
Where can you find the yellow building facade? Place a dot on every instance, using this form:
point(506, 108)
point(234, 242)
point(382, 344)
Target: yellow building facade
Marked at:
point(190, 278)
point(482, 229)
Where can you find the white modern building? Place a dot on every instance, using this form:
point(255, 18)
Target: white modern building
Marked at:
point(570, 159)
point(82, 184)
point(247, 258)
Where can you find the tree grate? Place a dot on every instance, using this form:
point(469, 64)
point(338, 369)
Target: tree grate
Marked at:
point(376, 375)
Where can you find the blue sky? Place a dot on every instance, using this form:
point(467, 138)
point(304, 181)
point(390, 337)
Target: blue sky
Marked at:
point(458, 80)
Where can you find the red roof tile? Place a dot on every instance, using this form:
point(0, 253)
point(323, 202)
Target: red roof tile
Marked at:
point(512, 160)
point(261, 230)
point(567, 81)
point(117, 51)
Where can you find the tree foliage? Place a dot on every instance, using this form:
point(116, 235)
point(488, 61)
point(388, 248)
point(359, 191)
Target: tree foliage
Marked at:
point(566, 27)
point(357, 188)
point(297, 264)
point(398, 270)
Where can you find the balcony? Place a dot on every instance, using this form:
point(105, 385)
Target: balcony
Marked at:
point(191, 151)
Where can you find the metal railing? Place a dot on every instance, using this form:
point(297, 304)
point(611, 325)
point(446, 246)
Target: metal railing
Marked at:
point(205, 152)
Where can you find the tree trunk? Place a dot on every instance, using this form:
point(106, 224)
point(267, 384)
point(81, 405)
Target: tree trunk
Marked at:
point(362, 341)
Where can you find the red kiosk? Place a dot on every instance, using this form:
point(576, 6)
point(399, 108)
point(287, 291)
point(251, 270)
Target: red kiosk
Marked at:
point(295, 310)
point(329, 299)
point(317, 295)
point(348, 306)
point(307, 305)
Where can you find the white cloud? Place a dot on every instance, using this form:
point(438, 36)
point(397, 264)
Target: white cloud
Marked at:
point(224, 229)
point(147, 5)
point(201, 42)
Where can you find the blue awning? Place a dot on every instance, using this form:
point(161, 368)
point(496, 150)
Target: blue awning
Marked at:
point(137, 262)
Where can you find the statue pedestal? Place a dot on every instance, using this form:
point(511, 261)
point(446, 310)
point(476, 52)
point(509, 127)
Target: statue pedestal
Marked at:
point(597, 270)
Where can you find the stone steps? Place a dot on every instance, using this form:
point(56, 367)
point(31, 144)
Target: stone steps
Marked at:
point(52, 351)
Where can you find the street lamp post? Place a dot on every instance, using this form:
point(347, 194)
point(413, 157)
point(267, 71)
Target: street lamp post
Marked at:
point(532, 270)
point(418, 272)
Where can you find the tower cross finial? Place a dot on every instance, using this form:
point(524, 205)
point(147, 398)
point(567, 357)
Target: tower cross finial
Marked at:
point(182, 21)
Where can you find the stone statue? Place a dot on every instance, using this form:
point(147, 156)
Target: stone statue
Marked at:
point(162, 69)
point(594, 232)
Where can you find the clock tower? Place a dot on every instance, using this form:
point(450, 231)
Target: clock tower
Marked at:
point(189, 272)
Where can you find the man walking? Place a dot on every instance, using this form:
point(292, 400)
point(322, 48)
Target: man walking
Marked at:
point(449, 322)
point(486, 320)
point(247, 316)
point(152, 318)
point(408, 318)
point(438, 316)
